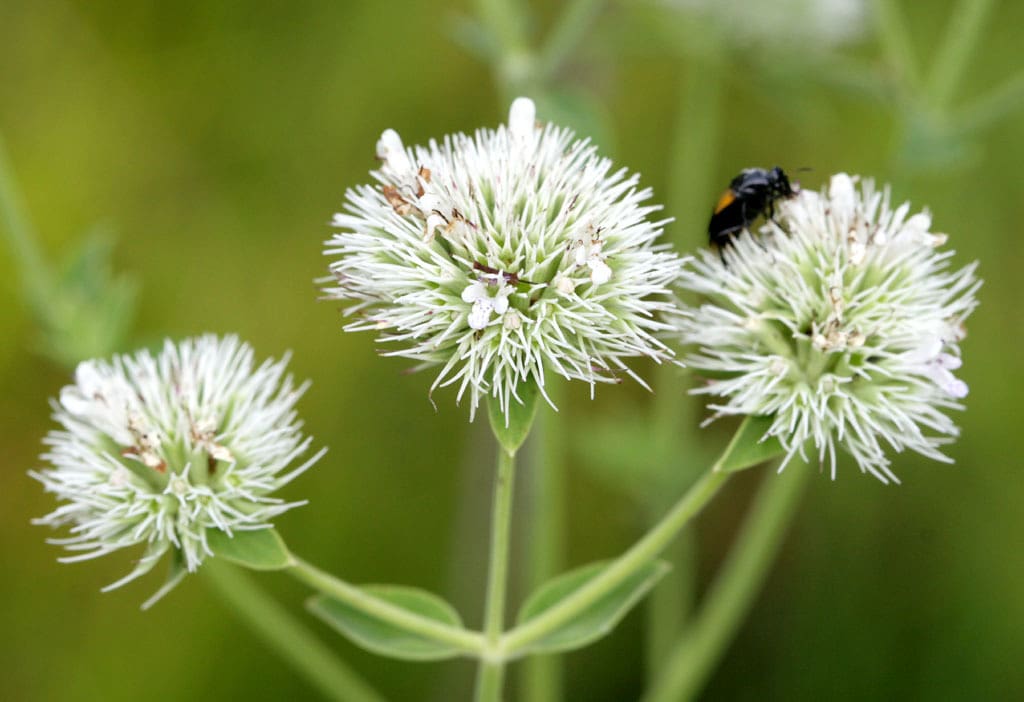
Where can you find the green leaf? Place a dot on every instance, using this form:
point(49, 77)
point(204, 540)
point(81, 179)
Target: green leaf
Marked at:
point(384, 638)
point(595, 621)
point(749, 447)
point(90, 308)
point(259, 549)
point(511, 430)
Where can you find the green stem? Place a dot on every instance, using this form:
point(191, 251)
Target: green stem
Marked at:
point(489, 680)
point(492, 672)
point(895, 39)
point(501, 521)
point(739, 580)
point(542, 675)
point(292, 641)
point(641, 553)
point(35, 275)
point(570, 29)
point(469, 642)
point(963, 29)
point(670, 602)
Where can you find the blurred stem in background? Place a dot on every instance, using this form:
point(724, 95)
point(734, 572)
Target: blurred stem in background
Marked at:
point(541, 676)
point(963, 30)
point(565, 36)
point(938, 134)
point(736, 585)
point(739, 580)
point(512, 61)
point(669, 604)
point(691, 170)
point(991, 107)
point(518, 68)
point(895, 42)
point(85, 311)
point(286, 636)
point(21, 238)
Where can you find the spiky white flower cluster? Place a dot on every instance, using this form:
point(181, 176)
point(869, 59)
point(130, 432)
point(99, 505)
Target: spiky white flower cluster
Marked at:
point(502, 256)
point(842, 320)
point(158, 450)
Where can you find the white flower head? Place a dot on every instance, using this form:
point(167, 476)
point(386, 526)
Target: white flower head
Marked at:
point(159, 450)
point(841, 320)
point(502, 256)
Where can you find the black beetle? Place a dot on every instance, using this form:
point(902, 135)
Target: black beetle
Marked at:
point(752, 193)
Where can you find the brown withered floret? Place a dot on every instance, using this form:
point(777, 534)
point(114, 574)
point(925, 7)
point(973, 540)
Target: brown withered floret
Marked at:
point(397, 202)
point(424, 174)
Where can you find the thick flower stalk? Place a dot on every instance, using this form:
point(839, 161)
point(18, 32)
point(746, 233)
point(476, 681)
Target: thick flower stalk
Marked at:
point(160, 450)
point(841, 320)
point(504, 255)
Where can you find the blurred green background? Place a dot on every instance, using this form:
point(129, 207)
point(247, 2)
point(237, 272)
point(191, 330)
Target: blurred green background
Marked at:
point(216, 140)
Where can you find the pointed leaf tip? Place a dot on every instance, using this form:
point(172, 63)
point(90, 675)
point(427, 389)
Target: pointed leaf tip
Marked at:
point(596, 620)
point(385, 638)
point(258, 549)
point(512, 429)
point(750, 446)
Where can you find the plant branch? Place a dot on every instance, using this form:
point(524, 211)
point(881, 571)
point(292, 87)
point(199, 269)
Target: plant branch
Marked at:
point(470, 642)
point(739, 580)
point(566, 35)
point(21, 237)
point(491, 672)
point(895, 40)
point(963, 29)
point(988, 109)
point(506, 21)
point(641, 553)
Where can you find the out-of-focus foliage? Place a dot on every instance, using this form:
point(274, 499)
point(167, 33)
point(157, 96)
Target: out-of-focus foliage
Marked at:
point(219, 138)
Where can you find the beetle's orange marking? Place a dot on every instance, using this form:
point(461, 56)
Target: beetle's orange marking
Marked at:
point(728, 197)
